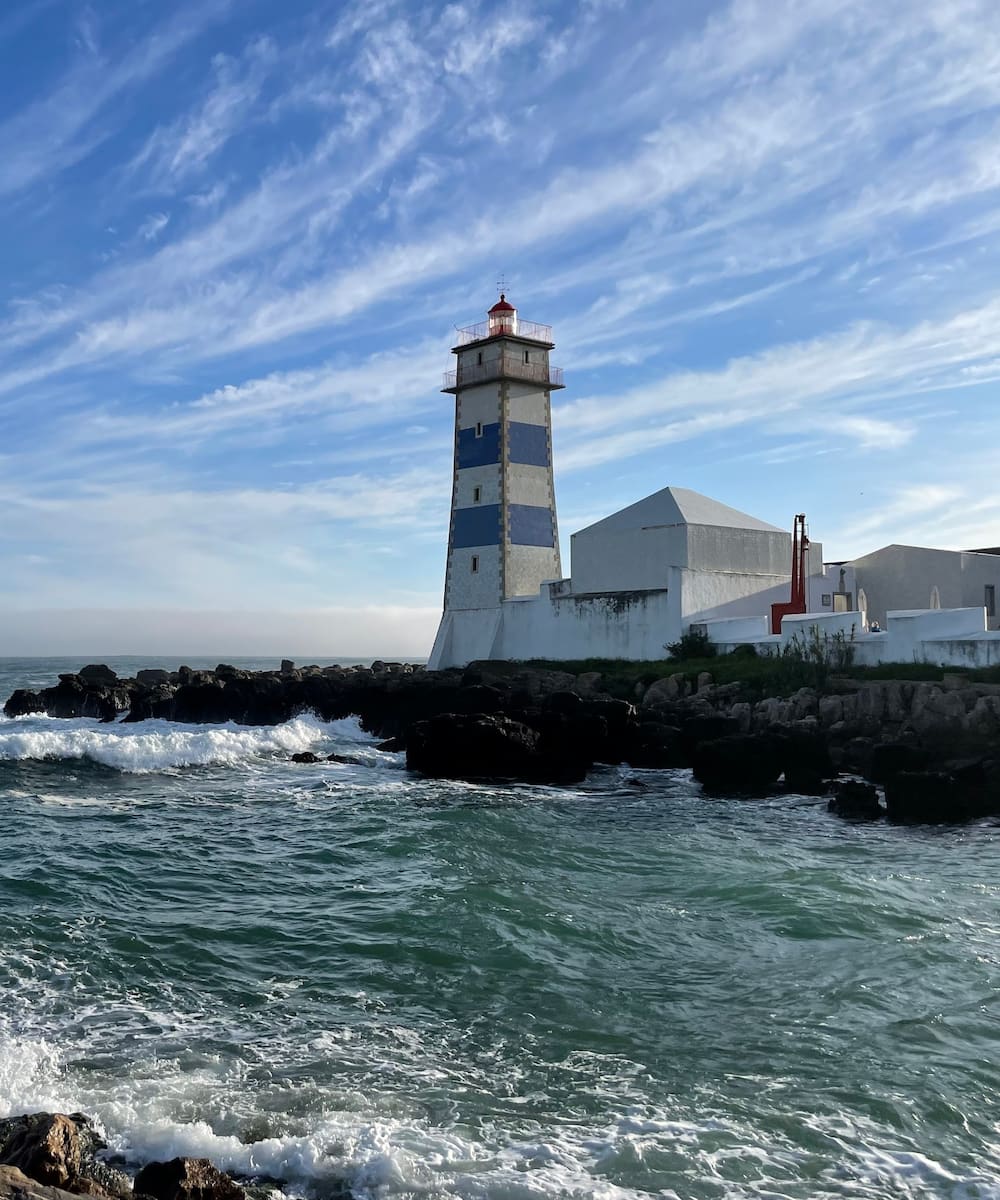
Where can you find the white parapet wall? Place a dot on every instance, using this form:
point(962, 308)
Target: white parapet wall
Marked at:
point(803, 627)
point(946, 637)
point(560, 624)
point(732, 631)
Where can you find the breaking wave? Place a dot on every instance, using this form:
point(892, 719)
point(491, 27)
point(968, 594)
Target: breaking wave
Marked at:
point(162, 745)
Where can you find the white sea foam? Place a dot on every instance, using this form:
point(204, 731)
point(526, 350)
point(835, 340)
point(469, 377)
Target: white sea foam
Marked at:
point(379, 1155)
point(162, 745)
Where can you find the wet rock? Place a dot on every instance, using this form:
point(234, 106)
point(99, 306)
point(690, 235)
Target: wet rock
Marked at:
point(15, 1185)
point(856, 800)
point(24, 702)
point(706, 728)
point(98, 673)
point(931, 797)
point(656, 745)
point(739, 764)
point(392, 745)
point(60, 1151)
point(960, 790)
point(889, 758)
point(480, 746)
point(806, 758)
point(306, 756)
point(347, 759)
point(287, 666)
point(186, 1179)
point(151, 676)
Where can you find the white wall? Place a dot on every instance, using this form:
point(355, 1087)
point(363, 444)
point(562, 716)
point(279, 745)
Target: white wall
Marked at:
point(903, 577)
point(561, 625)
point(629, 559)
point(943, 637)
point(715, 595)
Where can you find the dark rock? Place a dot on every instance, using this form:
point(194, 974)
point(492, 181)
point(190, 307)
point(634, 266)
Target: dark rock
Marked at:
point(392, 745)
point(15, 1185)
point(889, 758)
point(962, 790)
point(655, 745)
point(807, 760)
point(933, 797)
point(151, 676)
point(306, 756)
point(705, 728)
point(481, 698)
point(855, 755)
point(23, 702)
point(347, 759)
point(856, 800)
point(60, 1151)
point(480, 746)
point(287, 666)
point(98, 673)
point(738, 764)
point(186, 1179)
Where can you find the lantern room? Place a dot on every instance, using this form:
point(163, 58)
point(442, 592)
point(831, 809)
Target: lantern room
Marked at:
point(503, 318)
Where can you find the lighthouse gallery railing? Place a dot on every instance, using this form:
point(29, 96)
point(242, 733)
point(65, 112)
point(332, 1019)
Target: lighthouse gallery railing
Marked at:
point(507, 366)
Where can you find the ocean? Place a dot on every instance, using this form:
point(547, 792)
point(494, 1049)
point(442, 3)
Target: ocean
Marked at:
point(341, 977)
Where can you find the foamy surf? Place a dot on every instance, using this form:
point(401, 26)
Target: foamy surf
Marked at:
point(162, 745)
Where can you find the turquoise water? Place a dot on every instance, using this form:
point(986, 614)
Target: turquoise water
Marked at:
point(343, 974)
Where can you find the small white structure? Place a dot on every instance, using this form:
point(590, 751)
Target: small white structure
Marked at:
point(949, 637)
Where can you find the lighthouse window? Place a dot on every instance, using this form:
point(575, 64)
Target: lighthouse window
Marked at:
point(479, 429)
point(477, 495)
point(527, 354)
point(475, 564)
point(991, 600)
point(479, 358)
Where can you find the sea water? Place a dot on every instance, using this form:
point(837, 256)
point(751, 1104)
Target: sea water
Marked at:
point(344, 976)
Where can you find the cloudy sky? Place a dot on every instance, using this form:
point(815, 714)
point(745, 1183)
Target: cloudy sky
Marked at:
point(236, 238)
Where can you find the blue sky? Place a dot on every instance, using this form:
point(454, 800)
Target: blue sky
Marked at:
point(236, 239)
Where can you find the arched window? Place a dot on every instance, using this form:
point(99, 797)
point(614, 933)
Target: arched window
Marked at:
point(863, 607)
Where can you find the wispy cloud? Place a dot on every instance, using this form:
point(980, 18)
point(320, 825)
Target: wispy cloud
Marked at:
point(58, 130)
point(236, 242)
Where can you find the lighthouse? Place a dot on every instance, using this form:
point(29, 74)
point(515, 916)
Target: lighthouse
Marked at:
point(503, 539)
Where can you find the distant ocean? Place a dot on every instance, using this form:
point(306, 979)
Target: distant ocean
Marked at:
point(341, 975)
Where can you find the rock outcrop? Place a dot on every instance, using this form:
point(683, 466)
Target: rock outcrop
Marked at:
point(15, 1185)
point(61, 1152)
point(186, 1179)
point(509, 720)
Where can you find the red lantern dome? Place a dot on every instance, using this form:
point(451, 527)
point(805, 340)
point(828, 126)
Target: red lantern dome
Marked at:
point(503, 317)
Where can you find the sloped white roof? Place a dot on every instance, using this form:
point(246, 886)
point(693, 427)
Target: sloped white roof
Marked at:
point(679, 506)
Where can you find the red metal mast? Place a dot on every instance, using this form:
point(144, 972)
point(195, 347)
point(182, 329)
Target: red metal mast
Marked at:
point(797, 602)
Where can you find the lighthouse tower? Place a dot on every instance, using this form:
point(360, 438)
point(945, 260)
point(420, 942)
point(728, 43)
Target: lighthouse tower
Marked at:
point(503, 540)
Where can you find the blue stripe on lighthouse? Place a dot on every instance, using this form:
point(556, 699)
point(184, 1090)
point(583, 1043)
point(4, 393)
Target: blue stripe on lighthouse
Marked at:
point(531, 525)
point(479, 526)
point(479, 451)
point(528, 444)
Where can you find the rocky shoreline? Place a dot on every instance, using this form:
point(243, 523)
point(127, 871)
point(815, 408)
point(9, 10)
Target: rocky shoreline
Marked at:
point(55, 1156)
point(908, 751)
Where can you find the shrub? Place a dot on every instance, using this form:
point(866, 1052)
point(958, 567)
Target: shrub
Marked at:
point(693, 644)
point(745, 650)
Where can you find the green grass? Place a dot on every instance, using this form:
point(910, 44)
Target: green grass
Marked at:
point(760, 676)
